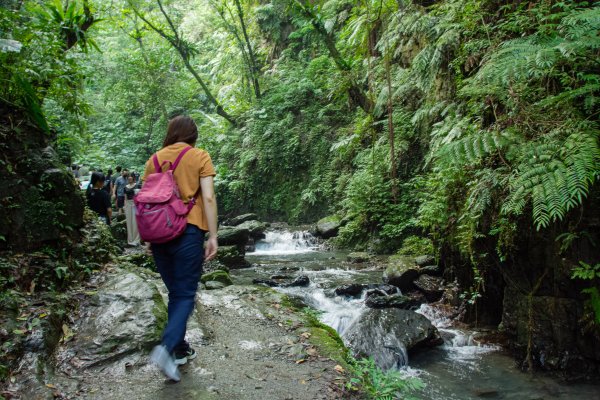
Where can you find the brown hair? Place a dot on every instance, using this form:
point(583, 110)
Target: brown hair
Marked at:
point(181, 129)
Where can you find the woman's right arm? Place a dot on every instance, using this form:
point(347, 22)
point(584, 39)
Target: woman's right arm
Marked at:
point(210, 210)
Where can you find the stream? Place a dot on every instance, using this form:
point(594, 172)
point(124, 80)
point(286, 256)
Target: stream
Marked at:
point(460, 369)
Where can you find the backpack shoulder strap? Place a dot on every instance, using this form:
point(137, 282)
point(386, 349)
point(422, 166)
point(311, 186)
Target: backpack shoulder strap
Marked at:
point(179, 157)
point(157, 166)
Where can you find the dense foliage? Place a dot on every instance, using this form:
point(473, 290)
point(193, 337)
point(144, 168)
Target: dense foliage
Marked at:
point(454, 120)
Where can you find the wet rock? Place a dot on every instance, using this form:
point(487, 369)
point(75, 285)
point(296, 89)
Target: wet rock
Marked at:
point(351, 290)
point(401, 273)
point(553, 331)
point(232, 257)
point(265, 282)
point(233, 236)
point(392, 301)
point(214, 285)
point(431, 286)
point(300, 281)
point(358, 257)
point(432, 270)
point(422, 261)
point(256, 229)
point(328, 227)
point(126, 314)
point(235, 221)
point(281, 277)
point(381, 290)
point(387, 335)
point(217, 276)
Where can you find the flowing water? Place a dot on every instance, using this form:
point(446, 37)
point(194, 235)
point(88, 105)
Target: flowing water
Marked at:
point(460, 369)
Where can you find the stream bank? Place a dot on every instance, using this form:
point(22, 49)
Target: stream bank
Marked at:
point(252, 344)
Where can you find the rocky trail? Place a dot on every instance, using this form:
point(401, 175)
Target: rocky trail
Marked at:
point(251, 344)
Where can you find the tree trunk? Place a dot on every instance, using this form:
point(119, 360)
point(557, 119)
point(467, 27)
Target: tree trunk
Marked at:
point(253, 65)
point(390, 112)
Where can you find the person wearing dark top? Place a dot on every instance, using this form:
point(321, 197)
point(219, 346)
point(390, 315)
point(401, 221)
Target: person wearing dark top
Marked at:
point(99, 200)
point(108, 182)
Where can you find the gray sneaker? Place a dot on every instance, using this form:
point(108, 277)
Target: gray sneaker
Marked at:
point(164, 361)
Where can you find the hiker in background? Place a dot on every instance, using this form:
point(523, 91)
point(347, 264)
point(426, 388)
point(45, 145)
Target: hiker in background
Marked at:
point(108, 183)
point(98, 200)
point(119, 190)
point(133, 236)
point(179, 261)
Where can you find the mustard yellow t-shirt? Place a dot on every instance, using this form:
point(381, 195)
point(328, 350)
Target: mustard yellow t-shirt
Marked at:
point(195, 164)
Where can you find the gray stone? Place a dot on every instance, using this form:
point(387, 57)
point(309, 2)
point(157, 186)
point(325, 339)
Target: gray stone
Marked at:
point(358, 257)
point(233, 236)
point(422, 261)
point(232, 257)
point(300, 281)
point(392, 301)
point(126, 314)
point(328, 227)
point(235, 221)
point(256, 229)
point(431, 286)
point(214, 285)
point(401, 273)
point(387, 335)
point(351, 289)
point(433, 270)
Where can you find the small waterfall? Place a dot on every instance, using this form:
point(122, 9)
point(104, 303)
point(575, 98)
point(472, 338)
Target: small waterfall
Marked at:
point(286, 242)
point(461, 346)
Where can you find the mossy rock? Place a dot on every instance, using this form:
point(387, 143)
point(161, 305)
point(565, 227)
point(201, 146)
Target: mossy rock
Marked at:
point(232, 257)
point(329, 226)
point(217, 276)
point(401, 272)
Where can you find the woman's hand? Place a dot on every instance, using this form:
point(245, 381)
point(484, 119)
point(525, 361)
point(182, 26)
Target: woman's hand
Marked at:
point(210, 249)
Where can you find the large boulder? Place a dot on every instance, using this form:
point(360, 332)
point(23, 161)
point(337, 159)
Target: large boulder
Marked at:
point(235, 221)
point(125, 315)
point(431, 286)
point(255, 228)
point(233, 236)
point(356, 289)
point(328, 227)
point(401, 272)
point(388, 335)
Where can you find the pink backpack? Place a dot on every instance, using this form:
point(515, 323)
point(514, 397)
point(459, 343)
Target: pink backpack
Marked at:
point(160, 213)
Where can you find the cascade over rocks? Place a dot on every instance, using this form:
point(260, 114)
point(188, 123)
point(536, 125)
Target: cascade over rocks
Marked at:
point(387, 335)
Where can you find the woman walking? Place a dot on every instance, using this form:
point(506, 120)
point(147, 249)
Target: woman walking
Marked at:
point(179, 261)
point(133, 236)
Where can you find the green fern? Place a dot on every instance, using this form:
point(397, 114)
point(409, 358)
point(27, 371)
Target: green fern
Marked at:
point(556, 176)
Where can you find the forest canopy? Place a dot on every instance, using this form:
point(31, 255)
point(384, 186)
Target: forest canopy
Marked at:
point(450, 120)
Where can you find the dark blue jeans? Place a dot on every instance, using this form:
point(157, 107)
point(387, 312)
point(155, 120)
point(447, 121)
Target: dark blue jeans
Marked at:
point(179, 263)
